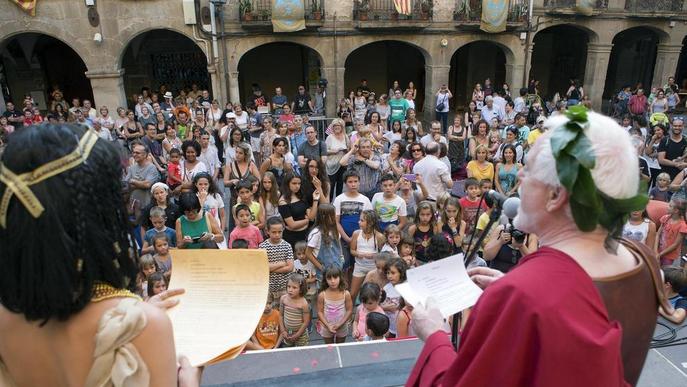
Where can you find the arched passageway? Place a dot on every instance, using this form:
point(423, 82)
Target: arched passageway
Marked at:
point(473, 63)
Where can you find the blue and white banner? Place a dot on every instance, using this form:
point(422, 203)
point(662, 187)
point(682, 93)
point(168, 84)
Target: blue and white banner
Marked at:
point(288, 15)
point(494, 15)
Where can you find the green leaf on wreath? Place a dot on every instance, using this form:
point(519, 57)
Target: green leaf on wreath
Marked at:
point(585, 217)
point(567, 168)
point(581, 149)
point(560, 139)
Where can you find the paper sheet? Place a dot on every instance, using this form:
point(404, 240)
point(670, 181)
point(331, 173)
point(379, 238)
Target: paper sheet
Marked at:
point(226, 291)
point(446, 281)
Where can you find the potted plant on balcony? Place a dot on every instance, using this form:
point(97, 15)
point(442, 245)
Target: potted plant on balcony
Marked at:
point(316, 11)
point(246, 9)
point(463, 10)
point(264, 14)
point(425, 9)
point(363, 9)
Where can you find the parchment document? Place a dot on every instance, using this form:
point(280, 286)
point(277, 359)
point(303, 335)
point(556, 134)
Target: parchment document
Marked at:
point(226, 291)
point(446, 281)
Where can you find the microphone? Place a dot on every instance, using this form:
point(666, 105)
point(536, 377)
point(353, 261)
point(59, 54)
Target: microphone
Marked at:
point(511, 207)
point(497, 198)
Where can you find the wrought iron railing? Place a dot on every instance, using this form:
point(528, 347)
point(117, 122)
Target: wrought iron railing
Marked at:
point(471, 11)
point(600, 4)
point(261, 10)
point(653, 5)
point(364, 10)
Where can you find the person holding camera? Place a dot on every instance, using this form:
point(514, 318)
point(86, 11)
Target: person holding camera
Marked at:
point(506, 246)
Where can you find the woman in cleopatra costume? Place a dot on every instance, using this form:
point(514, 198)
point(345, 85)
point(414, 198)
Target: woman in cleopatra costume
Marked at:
point(582, 309)
point(67, 268)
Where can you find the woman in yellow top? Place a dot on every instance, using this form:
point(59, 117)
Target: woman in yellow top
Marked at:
point(480, 168)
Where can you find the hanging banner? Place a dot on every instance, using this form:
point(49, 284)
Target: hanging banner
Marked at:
point(494, 15)
point(585, 7)
point(403, 7)
point(288, 15)
point(28, 6)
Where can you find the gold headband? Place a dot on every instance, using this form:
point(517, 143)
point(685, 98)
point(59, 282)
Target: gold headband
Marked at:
point(19, 184)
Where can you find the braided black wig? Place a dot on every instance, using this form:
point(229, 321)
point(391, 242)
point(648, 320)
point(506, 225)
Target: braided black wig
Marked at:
point(48, 265)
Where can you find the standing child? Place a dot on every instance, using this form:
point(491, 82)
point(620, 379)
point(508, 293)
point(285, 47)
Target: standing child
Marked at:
point(304, 267)
point(295, 313)
point(377, 326)
point(267, 334)
point(395, 271)
point(425, 226)
point(257, 213)
point(393, 238)
point(245, 230)
point(156, 284)
point(452, 224)
point(334, 307)
point(661, 191)
point(279, 256)
point(471, 204)
point(174, 169)
point(390, 207)
point(378, 276)
point(404, 321)
point(370, 297)
point(324, 245)
point(365, 244)
point(163, 260)
point(671, 233)
point(146, 267)
point(158, 218)
point(269, 195)
point(407, 250)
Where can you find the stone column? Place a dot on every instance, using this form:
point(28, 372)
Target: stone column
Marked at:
point(667, 56)
point(595, 71)
point(514, 74)
point(234, 94)
point(435, 76)
point(108, 88)
point(218, 92)
point(335, 88)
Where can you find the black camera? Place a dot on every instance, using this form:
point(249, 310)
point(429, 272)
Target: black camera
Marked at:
point(323, 83)
point(517, 235)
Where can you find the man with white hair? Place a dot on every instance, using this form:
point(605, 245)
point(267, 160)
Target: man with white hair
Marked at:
point(490, 111)
point(435, 174)
point(544, 323)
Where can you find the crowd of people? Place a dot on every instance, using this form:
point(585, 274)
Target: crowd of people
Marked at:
point(344, 217)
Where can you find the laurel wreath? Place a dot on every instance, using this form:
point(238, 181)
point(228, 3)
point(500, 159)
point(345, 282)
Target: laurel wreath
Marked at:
point(575, 159)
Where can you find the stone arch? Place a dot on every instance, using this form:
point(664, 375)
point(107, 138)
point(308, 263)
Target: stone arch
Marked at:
point(398, 60)
point(157, 56)
point(469, 68)
point(299, 64)
point(553, 64)
point(633, 58)
point(126, 36)
point(243, 47)
point(36, 63)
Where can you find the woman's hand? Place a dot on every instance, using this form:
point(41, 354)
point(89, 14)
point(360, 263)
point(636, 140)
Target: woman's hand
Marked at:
point(188, 375)
point(317, 183)
point(187, 239)
point(482, 277)
point(164, 301)
point(206, 237)
point(316, 195)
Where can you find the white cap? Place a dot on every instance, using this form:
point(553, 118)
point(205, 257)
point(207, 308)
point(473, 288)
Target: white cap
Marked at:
point(231, 115)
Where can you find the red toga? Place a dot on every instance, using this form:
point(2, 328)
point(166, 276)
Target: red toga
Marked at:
point(544, 324)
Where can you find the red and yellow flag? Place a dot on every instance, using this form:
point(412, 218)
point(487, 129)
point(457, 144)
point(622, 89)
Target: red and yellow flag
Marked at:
point(28, 6)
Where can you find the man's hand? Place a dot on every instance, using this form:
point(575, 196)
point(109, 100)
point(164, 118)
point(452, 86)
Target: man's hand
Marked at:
point(483, 276)
point(427, 319)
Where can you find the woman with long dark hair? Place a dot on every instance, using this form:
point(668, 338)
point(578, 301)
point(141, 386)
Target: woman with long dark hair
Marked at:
point(69, 266)
point(294, 210)
point(315, 179)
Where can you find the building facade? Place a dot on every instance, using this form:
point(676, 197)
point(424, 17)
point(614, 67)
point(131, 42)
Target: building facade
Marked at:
point(111, 49)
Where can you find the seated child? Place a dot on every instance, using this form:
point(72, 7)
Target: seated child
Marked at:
point(377, 326)
point(267, 334)
point(146, 266)
point(661, 191)
point(675, 282)
point(378, 276)
point(158, 219)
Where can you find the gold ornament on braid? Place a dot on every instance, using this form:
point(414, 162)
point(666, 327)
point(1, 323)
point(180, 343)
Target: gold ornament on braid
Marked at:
point(19, 185)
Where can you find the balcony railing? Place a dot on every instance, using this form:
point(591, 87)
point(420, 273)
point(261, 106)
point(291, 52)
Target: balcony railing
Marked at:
point(471, 11)
point(371, 10)
point(553, 4)
point(645, 6)
point(260, 11)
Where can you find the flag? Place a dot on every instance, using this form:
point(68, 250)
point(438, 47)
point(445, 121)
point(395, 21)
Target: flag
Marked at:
point(403, 7)
point(28, 6)
point(494, 15)
point(288, 15)
point(585, 7)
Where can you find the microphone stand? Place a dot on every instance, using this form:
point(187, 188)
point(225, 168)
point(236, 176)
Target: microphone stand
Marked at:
point(495, 215)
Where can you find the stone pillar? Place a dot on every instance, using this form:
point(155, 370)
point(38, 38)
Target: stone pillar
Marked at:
point(234, 94)
point(667, 56)
point(514, 74)
point(108, 88)
point(435, 76)
point(335, 88)
point(218, 92)
point(595, 71)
